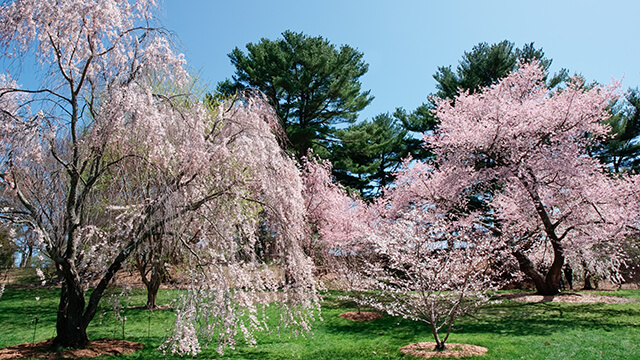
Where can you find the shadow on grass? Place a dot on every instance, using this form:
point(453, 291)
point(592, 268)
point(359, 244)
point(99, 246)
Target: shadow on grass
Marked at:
point(523, 319)
point(509, 318)
point(396, 328)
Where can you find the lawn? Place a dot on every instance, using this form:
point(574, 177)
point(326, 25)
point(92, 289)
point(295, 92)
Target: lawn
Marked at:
point(511, 330)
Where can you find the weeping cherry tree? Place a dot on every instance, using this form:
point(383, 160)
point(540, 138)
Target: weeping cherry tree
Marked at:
point(77, 146)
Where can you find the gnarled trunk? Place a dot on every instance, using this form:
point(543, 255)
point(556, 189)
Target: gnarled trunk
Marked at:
point(549, 284)
point(545, 285)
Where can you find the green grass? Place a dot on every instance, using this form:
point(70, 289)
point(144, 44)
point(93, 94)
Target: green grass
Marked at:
point(510, 330)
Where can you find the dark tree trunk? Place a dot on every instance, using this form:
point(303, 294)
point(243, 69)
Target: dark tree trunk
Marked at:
point(71, 330)
point(440, 346)
point(74, 314)
point(589, 282)
point(545, 285)
point(151, 272)
point(152, 298)
point(549, 284)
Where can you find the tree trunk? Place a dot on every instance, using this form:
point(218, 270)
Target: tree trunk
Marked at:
point(439, 343)
point(71, 331)
point(26, 256)
point(153, 285)
point(153, 282)
point(545, 285)
point(589, 282)
point(549, 284)
point(74, 314)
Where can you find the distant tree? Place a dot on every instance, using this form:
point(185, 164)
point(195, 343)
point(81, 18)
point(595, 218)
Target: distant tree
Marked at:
point(483, 66)
point(368, 153)
point(151, 260)
point(311, 84)
point(25, 242)
point(7, 249)
point(621, 150)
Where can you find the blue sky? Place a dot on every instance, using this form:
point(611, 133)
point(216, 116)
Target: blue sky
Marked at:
point(405, 41)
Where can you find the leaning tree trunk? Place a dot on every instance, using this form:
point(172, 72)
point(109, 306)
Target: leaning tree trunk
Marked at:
point(549, 284)
point(545, 285)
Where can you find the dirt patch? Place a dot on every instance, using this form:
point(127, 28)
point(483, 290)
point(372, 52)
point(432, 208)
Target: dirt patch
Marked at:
point(567, 297)
point(361, 316)
point(426, 350)
point(42, 350)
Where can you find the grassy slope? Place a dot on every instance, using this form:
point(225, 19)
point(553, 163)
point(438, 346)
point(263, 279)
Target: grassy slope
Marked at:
point(510, 330)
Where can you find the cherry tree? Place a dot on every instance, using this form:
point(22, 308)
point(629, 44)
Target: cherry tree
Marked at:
point(437, 263)
point(520, 149)
point(340, 227)
point(428, 272)
point(76, 149)
point(511, 182)
point(406, 254)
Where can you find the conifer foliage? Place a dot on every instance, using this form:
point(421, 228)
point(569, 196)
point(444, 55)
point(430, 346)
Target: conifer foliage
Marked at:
point(312, 84)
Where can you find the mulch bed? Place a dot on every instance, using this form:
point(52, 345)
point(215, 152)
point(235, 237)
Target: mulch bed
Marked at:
point(42, 350)
point(361, 316)
point(566, 297)
point(426, 350)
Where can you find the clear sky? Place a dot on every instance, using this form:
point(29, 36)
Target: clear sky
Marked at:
point(404, 41)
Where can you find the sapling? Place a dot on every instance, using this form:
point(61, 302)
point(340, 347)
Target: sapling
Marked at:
point(413, 260)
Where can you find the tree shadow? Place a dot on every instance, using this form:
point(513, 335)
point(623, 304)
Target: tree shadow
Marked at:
point(522, 319)
point(509, 318)
point(388, 327)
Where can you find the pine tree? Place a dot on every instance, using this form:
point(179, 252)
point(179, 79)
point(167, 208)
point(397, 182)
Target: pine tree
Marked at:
point(312, 84)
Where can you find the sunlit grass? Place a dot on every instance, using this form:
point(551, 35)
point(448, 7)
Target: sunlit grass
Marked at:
point(511, 330)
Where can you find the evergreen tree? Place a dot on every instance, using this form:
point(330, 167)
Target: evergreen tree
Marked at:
point(622, 151)
point(369, 153)
point(483, 66)
point(312, 84)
